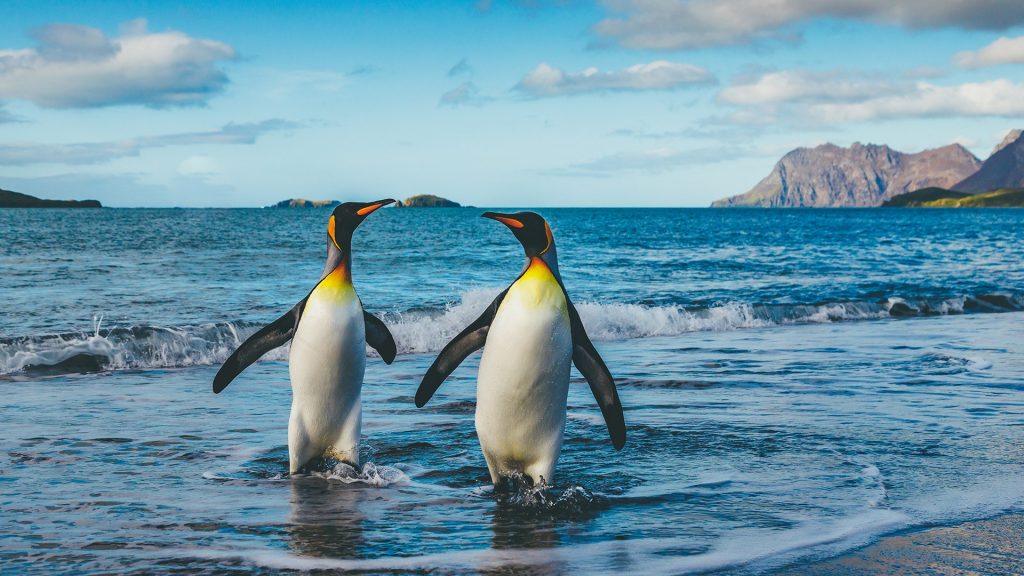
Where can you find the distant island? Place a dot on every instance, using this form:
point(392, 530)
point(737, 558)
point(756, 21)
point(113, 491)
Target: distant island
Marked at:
point(10, 199)
point(419, 201)
point(303, 203)
point(867, 175)
point(427, 201)
point(944, 198)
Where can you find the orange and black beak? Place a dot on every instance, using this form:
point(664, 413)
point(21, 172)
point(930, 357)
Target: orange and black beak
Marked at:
point(371, 207)
point(509, 220)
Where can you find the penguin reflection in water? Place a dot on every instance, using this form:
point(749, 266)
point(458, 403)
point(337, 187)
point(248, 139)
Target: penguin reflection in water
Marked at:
point(329, 331)
point(530, 334)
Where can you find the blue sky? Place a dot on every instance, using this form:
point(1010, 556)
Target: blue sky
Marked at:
point(618, 103)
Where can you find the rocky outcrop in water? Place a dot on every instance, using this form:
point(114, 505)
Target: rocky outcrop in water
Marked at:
point(303, 203)
point(427, 201)
point(858, 176)
point(10, 199)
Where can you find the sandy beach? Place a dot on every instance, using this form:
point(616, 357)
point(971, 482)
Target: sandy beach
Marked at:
point(992, 546)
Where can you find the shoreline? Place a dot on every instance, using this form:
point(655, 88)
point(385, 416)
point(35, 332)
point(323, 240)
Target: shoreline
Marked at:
point(993, 545)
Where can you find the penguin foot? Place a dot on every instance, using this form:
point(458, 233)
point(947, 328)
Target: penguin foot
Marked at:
point(513, 482)
point(333, 456)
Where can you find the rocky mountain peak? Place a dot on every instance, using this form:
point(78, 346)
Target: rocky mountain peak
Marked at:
point(1011, 137)
point(1003, 169)
point(861, 175)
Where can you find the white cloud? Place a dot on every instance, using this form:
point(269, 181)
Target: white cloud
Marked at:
point(547, 81)
point(1002, 51)
point(995, 98)
point(687, 24)
point(97, 152)
point(806, 85)
point(80, 67)
point(827, 97)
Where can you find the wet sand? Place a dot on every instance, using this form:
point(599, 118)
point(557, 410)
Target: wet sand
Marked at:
point(993, 546)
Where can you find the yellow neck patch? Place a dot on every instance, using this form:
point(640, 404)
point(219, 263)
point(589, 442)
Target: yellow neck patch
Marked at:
point(538, 270)
point(337, 284)
point(537, 286)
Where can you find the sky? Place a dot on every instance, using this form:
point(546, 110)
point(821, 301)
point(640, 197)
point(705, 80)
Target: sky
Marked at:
point(489, 103)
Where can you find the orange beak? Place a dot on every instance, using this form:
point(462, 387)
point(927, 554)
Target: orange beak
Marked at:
point(506, 220)
point(373, 207)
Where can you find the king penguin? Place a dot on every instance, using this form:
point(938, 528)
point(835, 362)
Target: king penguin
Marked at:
point(329, 331)
point(530, 333)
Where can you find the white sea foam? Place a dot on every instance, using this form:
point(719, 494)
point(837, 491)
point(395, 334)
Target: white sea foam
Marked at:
point(145, 347)
point(127, 348)
point(977, 364)
point(872, 477)
point(418, 332)
point(371, 474)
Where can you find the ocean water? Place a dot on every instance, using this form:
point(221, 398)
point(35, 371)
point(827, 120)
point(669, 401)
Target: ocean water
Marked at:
point(796, 383)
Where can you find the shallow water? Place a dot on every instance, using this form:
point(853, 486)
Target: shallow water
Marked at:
point(782, 414)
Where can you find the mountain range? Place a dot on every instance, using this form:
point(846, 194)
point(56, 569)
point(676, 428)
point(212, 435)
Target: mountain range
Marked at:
point(869, 175)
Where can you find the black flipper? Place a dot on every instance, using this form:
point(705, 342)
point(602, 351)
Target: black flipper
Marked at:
point(269, 337)
point(379, 337)
point(470, 340)
point(590, 364)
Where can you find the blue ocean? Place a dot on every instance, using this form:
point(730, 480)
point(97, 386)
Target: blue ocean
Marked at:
point(796, 383)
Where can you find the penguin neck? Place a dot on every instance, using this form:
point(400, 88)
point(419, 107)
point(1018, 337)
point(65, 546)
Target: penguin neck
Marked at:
point(549, 258)
point(339, 261)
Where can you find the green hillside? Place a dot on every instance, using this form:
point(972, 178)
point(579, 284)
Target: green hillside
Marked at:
point(942, 198)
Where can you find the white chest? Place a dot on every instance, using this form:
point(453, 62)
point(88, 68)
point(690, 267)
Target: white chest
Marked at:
point(524, 372)
point(328, 352)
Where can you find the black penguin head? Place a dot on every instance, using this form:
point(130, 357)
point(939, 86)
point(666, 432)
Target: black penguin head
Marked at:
point(346, 217)
point(530, 229)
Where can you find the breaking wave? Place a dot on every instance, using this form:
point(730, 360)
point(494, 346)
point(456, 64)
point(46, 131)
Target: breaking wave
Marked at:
point(423, 331)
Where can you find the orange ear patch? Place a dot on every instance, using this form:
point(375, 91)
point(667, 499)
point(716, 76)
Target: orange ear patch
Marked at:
point(330, 227)
point(551, 238)
point(510, 222)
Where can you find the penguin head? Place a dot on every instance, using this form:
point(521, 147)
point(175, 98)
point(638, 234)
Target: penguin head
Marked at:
point(530, 229)
point(346, 217)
